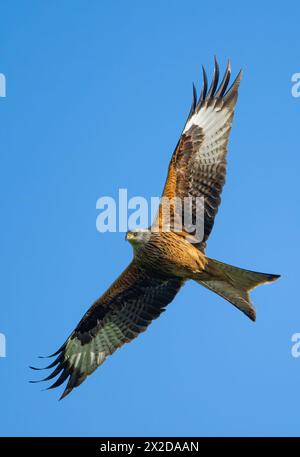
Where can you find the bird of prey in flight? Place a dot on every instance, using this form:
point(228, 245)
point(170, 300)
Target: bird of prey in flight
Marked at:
point(164, 260)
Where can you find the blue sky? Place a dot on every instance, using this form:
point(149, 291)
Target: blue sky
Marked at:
point(97, 94)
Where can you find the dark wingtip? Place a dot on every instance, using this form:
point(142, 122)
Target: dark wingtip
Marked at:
point(63, 376)
point(66, 392)
point(230, 96)
point(51, 365)
point(194, 103)
point(215, 80)
point(224, 83)
point(216, 90)
point(54, 353)
point(205, 83)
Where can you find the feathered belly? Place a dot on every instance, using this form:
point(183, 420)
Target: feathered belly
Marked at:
point(171, 254)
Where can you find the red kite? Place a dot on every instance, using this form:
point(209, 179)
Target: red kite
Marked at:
point(165, 260)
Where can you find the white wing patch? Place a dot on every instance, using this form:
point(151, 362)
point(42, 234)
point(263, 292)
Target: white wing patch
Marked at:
point(215, 125)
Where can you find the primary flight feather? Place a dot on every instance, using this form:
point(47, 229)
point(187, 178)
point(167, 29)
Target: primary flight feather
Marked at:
point(165, 259)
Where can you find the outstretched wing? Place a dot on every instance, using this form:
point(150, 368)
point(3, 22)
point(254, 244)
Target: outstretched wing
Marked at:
point(121, 314)
point(198, 164)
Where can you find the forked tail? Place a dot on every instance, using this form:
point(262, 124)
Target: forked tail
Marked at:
point(234, 284)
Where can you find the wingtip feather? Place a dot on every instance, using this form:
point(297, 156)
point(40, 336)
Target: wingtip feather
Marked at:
point(66, 392)
point(215, 80)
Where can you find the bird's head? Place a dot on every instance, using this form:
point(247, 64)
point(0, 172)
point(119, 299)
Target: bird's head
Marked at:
point(138, 237)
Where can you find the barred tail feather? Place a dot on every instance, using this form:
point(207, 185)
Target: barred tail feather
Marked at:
point(234, 284)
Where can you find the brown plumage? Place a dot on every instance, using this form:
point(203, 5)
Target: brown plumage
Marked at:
point(165, 259)
point(198, 164)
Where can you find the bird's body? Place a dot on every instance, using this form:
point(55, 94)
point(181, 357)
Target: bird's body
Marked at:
point(168, 255)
